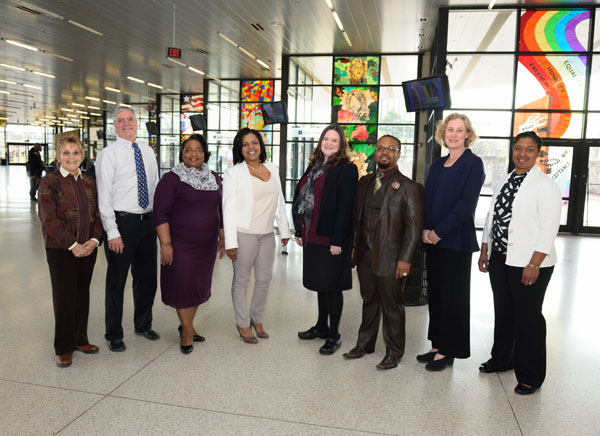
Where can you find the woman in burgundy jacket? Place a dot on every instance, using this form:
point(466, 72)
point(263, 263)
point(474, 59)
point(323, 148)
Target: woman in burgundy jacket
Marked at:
point(72, 231)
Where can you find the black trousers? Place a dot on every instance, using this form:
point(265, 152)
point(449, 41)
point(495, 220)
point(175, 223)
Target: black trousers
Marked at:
point(70, 277)
point(139, 237)
point(449, 295)
point(519, 327)
point(381, 295)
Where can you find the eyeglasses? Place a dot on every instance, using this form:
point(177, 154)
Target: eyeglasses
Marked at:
point(123, 120)
point(381, 149)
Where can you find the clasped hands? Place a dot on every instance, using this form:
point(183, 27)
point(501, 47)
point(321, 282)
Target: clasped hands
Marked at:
point(85, 249)
point(430, 237)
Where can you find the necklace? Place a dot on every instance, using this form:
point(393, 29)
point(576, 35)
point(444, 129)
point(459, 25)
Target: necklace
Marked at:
point(255, 169)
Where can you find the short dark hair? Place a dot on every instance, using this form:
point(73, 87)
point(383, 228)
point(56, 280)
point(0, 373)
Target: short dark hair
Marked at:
point(394, 138)
point(198, 137)
point(530, 135)
point(237, 145)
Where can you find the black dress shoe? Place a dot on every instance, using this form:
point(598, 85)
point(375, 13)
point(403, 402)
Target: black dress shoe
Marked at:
point(439, 365)
point(389, 362)
point(148, 334)
point(521, 389)
point(186, 349)
point(490, 366)
point(313, 333)
point(197, 338)
point(330, 346)
point(427, 357)
point(358, 352)
point(116, 345)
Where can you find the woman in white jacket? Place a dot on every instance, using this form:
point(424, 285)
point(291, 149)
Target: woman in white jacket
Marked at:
point(252, 199)
point(518, 250)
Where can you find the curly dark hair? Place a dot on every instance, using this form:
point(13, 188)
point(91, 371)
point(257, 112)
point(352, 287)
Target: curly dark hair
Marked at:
point(237, 145)
point(342, 156)
point(203, 143)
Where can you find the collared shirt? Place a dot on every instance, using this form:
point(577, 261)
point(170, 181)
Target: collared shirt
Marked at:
point(65, 173)
point(117, 182)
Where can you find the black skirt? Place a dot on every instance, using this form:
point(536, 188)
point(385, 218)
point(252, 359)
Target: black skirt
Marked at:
point(323, 272)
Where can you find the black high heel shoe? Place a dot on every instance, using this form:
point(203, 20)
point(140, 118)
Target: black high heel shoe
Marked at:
point(186, 349)
point(197, 338)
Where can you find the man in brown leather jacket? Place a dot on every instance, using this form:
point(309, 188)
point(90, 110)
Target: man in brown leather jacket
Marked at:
point(387, 226)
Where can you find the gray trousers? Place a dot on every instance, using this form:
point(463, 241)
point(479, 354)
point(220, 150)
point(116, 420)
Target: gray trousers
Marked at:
point(256, 251)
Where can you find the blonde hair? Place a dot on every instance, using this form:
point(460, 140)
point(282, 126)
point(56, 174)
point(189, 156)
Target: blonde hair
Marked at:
point(69, 140)
point(440, 129)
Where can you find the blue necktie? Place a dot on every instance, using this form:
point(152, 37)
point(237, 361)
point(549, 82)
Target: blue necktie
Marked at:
point(141, 177)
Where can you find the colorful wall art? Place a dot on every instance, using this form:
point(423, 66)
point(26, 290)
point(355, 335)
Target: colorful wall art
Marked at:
point(356, 70)
point(257, 90)
point(355, 104)
point(251, 116)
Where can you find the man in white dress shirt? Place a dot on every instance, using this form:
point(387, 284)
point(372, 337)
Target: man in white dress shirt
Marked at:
point(127, 175)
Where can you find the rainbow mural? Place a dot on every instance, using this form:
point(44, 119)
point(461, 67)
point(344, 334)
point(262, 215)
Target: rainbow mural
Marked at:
point(561, 76)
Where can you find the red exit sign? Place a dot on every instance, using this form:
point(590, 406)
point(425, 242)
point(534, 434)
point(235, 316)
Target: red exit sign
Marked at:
point(173, 52)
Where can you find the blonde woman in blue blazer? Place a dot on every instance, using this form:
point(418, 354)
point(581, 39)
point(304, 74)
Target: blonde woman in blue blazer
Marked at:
point(252, 200)
point(518, 251)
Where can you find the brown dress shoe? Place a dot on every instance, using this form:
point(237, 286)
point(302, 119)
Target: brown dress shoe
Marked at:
point(357, 352)
point(389, 362)
point(64, 360)
point(87, 348)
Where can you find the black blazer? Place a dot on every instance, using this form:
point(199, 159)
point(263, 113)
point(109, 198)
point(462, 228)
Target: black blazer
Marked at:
point(337, 203)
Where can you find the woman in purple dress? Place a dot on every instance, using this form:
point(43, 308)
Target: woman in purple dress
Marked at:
point(189, 224)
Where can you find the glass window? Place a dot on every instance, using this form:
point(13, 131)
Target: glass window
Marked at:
point(406, 134)
point(397, 69)
point(495, 156)
point(591, 213)
point(553, 82)
point(593, 125)
point(392, 108)
point(318, 69)
point(554, 30)
point(594, 92)
point(309, 104)
point(489, 123)
point(549, 124)
point(481, 81)
point(482, 30)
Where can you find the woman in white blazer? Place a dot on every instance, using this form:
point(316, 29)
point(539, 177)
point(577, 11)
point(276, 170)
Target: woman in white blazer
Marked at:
point(518, 251)
point(252, 199)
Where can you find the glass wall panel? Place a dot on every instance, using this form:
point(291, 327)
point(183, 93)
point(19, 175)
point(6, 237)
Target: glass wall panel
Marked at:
point(489, 123)
point(594, 92)
point(482, 30)
point(593, 125)
point(555, 30)
point(397, 69)
point(406, 134)
point(392, 108)
point(591, 213)
point(495, 156)
point(481, 81)
point(311, 69)
point(309, 104)
point(549, 124)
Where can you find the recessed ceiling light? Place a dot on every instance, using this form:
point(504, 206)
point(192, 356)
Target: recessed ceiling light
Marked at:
point(92, 98)
point(22, 45)
point(172, 90)
point(26, 85)
point(12, 67)
point(72, 116)
point(39, 73)
point(262, 63)
point(85, 118)
point(66, 109)
point(81, 112)
point(95, 114)
point(347, 38)
point(108, 88)
point(77, 104)
point(81, 26)
point(175, 61)
point(4, 92)
point(94, 107)
point(329, 4)
point(109, 102)
point(336, 17)
point(4, 118)
point(126, 105)
point(154, 85)
point(135, 79)
point(195, 70)
point(10, 82)
point(63, 118)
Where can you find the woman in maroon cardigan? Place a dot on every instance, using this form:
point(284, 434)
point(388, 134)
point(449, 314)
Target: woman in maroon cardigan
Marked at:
point(72, 231)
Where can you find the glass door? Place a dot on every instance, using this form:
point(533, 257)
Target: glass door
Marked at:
point(589, 221)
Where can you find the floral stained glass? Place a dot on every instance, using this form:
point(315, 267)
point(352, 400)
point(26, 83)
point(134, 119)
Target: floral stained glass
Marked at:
point(356, 70)
point(355, 104)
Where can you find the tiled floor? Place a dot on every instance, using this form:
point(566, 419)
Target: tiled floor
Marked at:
point(282, 386)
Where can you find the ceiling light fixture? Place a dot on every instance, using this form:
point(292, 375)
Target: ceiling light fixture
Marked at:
point(77, 104)
point(66, 109)
point(39, 73)
point(12, 67)
point(196, 70)
point(92, 98)
point(133, 79)
point(4, 118)
point(81, 26)
point(109, 102)
point(492, 3)
point(175, 61)
point(22, 45)
point(154, 85)
point(4, 92)
point(172, 90)
point(72, 116)
point(126, 105)
point(108, 88)
point(63, 118)
point(338, 21)
point(81, 112)
point(347, 38)
point(85, 118)
point(336, 17)
point(10, 82)
point(242, 49)
point(26, 85)
point(213, 78)
point(95, 114)
point(329, 4)
point(65, 58)
point(94, 107)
